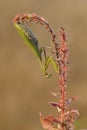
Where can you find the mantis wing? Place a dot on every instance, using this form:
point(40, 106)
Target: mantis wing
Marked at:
point(29, 38)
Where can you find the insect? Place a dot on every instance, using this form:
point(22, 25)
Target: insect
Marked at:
point(32, 42)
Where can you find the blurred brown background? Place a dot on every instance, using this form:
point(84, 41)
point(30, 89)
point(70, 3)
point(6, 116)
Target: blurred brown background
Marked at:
point(24, 91)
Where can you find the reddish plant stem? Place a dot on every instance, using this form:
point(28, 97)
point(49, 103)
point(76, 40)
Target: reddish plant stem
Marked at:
point(63, 56)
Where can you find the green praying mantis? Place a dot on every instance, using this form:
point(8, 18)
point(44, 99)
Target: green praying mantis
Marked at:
point(32, 42)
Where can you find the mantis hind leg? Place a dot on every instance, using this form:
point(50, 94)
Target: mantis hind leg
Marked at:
point(51, 60)
point(48, 60)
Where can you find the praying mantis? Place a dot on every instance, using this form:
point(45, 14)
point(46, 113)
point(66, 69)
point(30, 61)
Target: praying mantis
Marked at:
point(32, 42)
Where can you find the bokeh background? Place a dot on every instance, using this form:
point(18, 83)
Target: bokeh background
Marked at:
point(24, 91)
